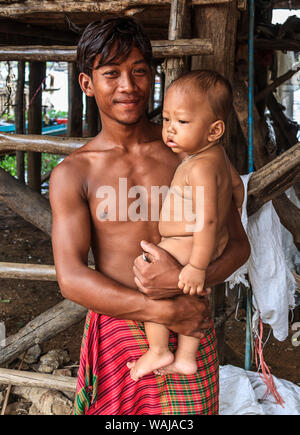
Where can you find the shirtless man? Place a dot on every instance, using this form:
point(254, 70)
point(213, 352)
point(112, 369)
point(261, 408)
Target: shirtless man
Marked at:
point(114, 57)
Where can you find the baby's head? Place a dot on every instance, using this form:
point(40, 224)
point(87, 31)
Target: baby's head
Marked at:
point(196, 108)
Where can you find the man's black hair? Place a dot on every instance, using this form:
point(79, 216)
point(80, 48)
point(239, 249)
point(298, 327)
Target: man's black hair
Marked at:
point(113, 39)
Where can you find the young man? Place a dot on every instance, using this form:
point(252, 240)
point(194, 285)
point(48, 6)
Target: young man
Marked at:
point(102, 196)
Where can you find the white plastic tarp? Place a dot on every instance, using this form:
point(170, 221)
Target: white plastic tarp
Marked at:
point(241, 392)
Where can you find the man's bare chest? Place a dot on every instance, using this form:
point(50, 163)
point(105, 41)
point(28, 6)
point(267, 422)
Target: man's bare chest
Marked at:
point(129, 191)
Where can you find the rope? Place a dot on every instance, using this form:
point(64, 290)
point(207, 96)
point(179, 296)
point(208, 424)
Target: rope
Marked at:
point(265, 373)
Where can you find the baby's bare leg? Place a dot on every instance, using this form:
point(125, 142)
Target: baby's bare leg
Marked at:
point(158, 354)
point(185, 357)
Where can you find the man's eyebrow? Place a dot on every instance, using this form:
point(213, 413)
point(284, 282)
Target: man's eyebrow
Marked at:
point(115, 63)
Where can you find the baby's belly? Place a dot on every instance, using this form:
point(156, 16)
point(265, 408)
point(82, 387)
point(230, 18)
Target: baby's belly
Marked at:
point(180, 247)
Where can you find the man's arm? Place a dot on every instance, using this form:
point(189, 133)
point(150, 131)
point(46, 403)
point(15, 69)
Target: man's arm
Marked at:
point(159, 278)
point(71, 235)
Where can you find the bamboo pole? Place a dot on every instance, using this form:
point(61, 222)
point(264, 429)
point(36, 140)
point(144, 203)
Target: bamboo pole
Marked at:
point(37, 380)
point(161, 48)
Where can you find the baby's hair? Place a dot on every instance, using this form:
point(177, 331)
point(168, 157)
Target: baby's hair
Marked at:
point(212, 84)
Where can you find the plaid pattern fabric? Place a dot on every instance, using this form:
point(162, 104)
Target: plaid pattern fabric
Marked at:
point(105, 386)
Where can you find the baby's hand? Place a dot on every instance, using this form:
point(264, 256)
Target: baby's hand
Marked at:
point(191, 280)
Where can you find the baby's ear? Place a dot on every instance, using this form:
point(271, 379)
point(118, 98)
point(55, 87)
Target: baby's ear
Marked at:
point(216, 130)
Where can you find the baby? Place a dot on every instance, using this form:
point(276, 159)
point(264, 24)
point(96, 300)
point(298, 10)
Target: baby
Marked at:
point(194, 213)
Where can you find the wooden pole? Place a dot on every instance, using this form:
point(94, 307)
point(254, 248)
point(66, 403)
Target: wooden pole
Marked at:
point(20, 118)
point(36, 272)
point(41, 329)
point(26, 202)
point(161, 49)
point(37, 72)
point(37, 380)
point(174, 67)
point(74, 103)
point(39, 272)
point(38, 143)
point(273, 179)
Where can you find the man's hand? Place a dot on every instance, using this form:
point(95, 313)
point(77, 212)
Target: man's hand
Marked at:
point(157, 277)
point(190, 316)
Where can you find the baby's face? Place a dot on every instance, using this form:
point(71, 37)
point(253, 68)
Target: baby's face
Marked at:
point(186, 121)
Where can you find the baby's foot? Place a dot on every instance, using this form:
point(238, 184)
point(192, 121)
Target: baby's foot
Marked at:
point(149, 362)
point(179, 367)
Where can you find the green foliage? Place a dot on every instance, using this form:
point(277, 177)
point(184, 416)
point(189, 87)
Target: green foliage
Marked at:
point(49, 161)
point(9, 164)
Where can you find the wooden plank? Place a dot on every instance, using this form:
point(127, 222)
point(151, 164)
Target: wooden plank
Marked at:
point(161, 48)
point(37, 380)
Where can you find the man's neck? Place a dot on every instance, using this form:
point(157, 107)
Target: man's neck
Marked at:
point(125, 136)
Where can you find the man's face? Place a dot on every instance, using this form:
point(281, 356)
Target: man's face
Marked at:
point(122, 89)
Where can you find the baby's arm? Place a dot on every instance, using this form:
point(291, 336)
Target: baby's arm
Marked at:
point(237, 188)
point(192, 276)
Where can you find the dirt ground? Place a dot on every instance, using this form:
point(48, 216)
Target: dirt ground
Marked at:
point(21, 242)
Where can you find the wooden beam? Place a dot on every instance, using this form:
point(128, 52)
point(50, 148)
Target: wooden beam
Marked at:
point(42, 328)
point(161, 48)
point(26, 202)
point(39, 143)
point(37, 380)
point(273, 179)
point(69, 6)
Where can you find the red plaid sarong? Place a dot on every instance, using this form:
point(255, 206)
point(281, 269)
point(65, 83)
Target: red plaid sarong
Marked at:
point(105, 386)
